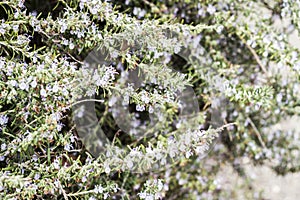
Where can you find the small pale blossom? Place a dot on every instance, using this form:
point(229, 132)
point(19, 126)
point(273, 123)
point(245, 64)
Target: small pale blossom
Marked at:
point(35, 158)
point(106, 195)
point(2, 158)
point(3, 119)
point(68, 147)
point(66, 42)
point(211, 9)
point(13, 83)
point(55, 88)
point(71, 45)
point(151, 109)
point(23, 86)
point(37, 176)
point(3, 147)
point(33, 83)
point(220, 29)
point(145, 98)
point(56, 164)
point(106, 168)
point(142, 195)
point(140, 107)
point(72, 138)
point(43, 92)
point(64, 27)
point(201, 11)
point(98, 189)
point(16, 28)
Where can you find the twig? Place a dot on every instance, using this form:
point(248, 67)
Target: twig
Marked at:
point(230, 136)
point(257, 132)
point(80, 62)
point(255, 56)
point(267, 5)
point(63, 191)
point(87, 100)
point(81, 193)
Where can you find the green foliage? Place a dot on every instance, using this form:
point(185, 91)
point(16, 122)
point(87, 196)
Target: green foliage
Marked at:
point(242, 69)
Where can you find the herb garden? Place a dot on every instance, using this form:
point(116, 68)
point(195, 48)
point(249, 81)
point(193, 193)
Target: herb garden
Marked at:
point(145, 99)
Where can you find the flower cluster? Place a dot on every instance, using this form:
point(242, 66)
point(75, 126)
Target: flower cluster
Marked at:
point(152, 189)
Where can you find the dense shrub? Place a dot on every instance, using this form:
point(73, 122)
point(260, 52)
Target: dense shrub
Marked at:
point(144, 99)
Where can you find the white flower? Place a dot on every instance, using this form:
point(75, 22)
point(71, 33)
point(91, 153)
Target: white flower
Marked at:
point(177, 48)
point(145, 98)
point(55, 88)
point(142, 195)
point(80, 111)
point(211, 9)
point(35, 158)
point(112, 101)
point(98, 189)
point(33, 84)
point(140, 107)
point(43, 92)
point(3, 119)
point(139, 12)
point(16, 28)
point(56, 183)
point(160, 185)
point(13, 83)
point(201, 12)
point(149, 197)
point(94, 10)
point(220, 29)
point(22, 39)
point(188, 154)
point(34, 59)
point(106, 168)
point(3, 147)
point(279, 97)
point(151, 110)
point(3, 27)
point(72, 138)
point(297, 66)
point(63, 27)
point(37, 176)
point(2, 30)
point(68, 147)
point(23, 85)
point(106, 195)
point(80, 34)
point(71, 45)
point(257, 106)
point(56, 164)
point(66, 42)
point(16, 15)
